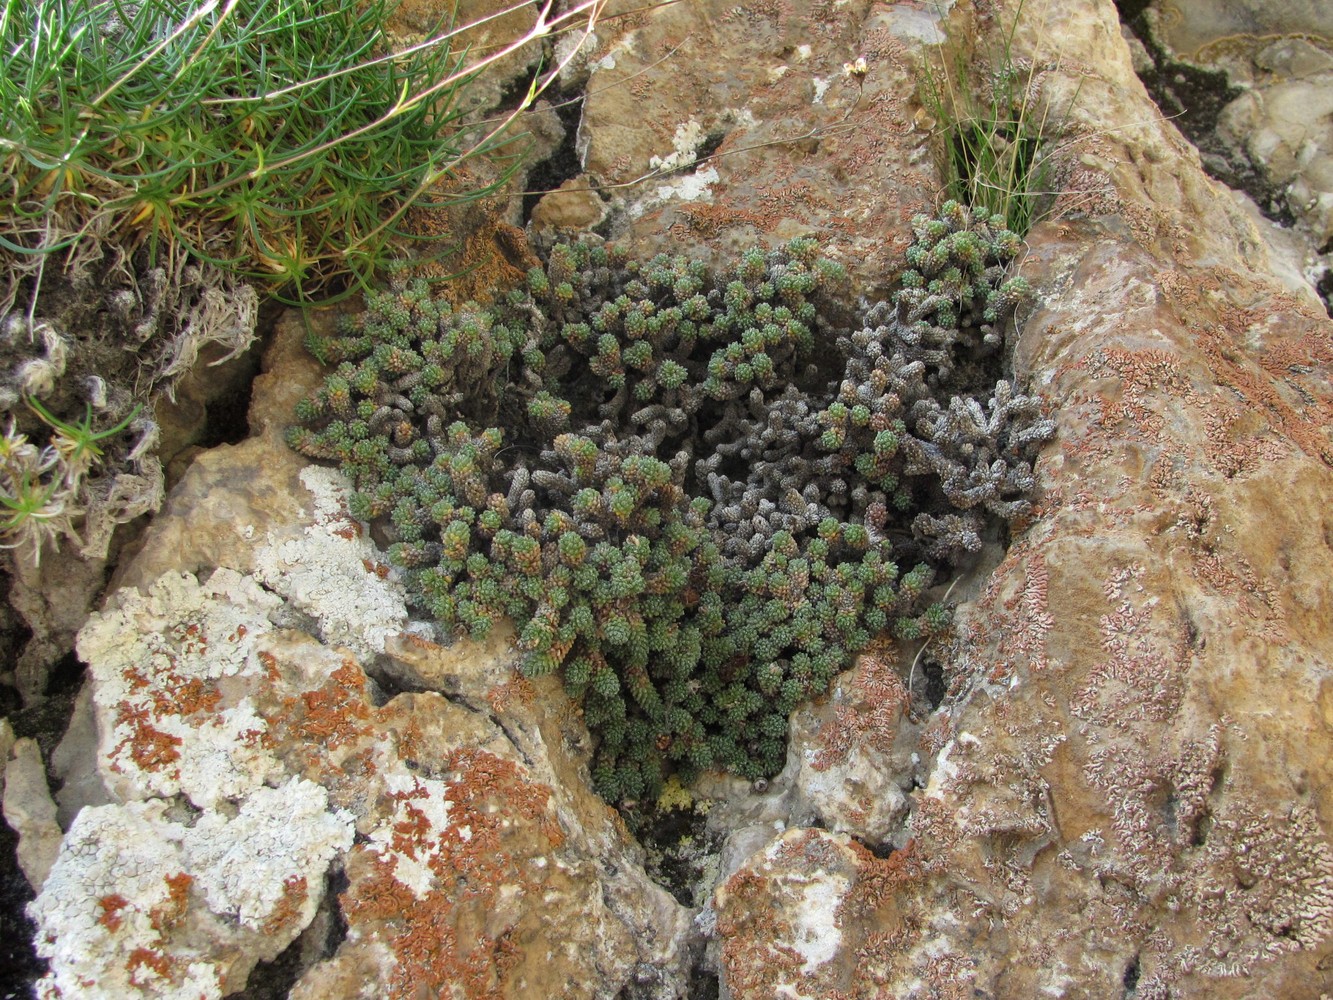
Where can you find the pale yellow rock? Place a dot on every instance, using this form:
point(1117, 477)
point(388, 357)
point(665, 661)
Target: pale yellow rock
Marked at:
point(30, 812)
point(572, 206)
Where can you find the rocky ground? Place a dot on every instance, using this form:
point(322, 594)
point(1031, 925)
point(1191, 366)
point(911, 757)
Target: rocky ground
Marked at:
point(1112, 779)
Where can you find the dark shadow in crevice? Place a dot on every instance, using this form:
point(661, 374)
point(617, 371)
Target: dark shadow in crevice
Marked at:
point(45, 722)
point(880, 849)
point(678, 843)
point(1130, 980)
point(563, 163)
point(704, 985)
point(711, 144)
point(1194, 98)
point(1325, 288)
point(20, 967)
point(936, 686)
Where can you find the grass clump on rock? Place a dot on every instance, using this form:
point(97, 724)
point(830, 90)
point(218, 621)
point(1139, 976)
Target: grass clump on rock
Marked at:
point(695, 496)
point(276, 139)
point(168, 166)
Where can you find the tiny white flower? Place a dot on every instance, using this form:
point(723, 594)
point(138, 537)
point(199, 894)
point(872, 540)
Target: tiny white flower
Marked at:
point(857, 69)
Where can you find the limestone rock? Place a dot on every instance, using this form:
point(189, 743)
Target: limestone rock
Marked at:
point(800, 916)
point(74, 762)
point(484, 26)
point(1126, 789)
point(1191, 27)
point(1286, 126)
point(54, 599)
point(220, 504)
point(141, 905)
point(793, 146)
point(30, 812)
point(1280, 57)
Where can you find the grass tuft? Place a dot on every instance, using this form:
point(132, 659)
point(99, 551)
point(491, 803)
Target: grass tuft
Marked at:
point(281, 140)
point(994, 134)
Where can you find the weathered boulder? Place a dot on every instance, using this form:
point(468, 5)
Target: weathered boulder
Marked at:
point(793, 146)
point(1278, 60)
point(1195, 27)
point(574, 205)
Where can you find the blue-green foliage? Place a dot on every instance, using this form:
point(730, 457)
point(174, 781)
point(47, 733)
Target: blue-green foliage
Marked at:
point(683, 503)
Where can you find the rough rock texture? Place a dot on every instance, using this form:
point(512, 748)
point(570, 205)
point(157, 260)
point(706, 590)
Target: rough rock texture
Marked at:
point(1126, 789)
point(74, 762)
point(847, 750)
point(572, 206)
point(1192, 27)
point(142, 904)
point(791, 919)
point(54, 599)
point(1285, 123)
point(797, 148)
point(243, 748)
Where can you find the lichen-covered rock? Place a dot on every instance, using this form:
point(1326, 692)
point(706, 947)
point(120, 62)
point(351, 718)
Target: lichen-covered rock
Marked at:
point(814, 914)
point(798, 147)
point(158, 662)
point(852, 755)
point(243, 756)
point(140, 904)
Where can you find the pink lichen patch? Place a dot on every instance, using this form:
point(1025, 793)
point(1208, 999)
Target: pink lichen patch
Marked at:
point(1144, 377)
point(1240, 441)
point(1272, 352)
point(1147, 657)
point(871, 717)
point(1007, 630)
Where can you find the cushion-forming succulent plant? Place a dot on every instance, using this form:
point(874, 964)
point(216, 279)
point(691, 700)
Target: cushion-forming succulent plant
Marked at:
point(695, 496)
